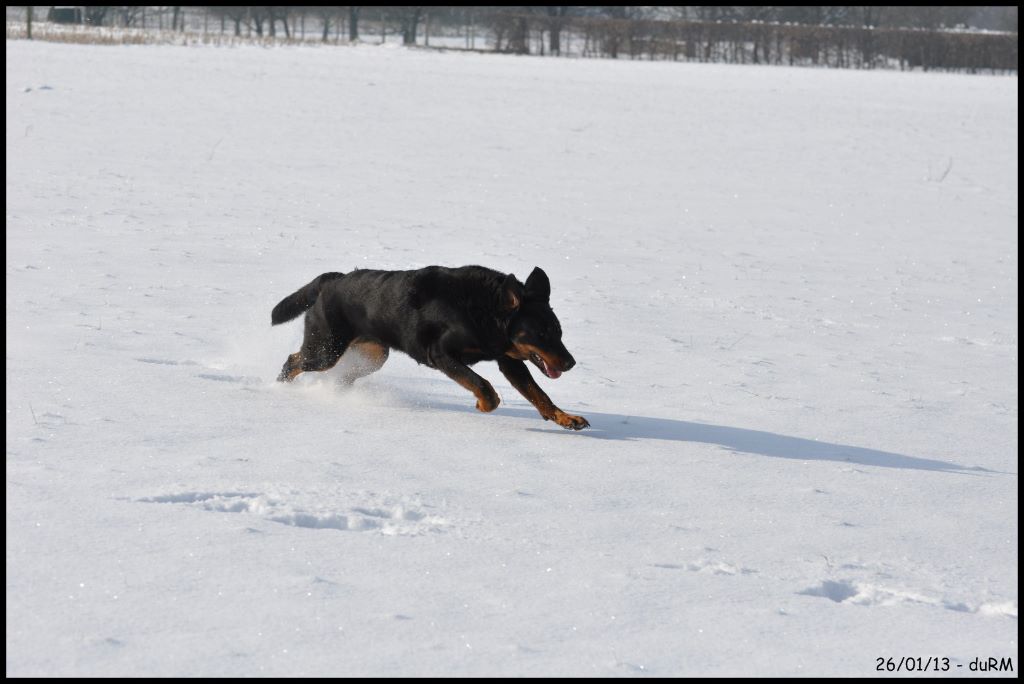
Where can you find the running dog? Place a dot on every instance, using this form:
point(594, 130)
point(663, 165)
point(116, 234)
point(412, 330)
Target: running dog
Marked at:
point(444, 318)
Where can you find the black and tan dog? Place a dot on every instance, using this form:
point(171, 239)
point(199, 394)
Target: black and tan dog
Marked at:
point(445, 318)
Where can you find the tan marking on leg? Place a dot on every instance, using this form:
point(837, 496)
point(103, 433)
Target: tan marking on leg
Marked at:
point(294, 366)
point(367, 356)
point(549, 411)
point(374, 352)
point(519, 375)
point(486, 398)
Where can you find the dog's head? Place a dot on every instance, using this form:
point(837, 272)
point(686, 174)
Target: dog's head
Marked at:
point(533, 330)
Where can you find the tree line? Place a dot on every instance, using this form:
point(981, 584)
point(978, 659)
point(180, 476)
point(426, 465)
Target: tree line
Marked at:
point(968, 38)
point(759, 42)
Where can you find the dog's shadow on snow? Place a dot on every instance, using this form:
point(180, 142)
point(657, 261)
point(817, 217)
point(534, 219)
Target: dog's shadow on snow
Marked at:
point(612, 426)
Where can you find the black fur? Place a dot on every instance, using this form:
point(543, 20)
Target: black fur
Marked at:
point(297, 302)
point(445, 318)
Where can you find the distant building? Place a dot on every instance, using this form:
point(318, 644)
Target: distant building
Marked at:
point(65, 15)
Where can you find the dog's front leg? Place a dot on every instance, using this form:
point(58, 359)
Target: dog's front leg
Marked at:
point(519, 375)
point(486, 398)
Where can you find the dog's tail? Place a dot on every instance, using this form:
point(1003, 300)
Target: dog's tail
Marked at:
point(297, 302)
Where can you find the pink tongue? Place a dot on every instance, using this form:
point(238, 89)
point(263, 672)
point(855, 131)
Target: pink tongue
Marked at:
point(549, 371)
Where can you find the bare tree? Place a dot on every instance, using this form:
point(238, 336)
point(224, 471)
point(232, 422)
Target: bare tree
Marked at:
point(326, 14)
point(254, 16)
point(130, 14)
point(236, 14)
point(409, 18)
point(870, 16)
point(556, 18)
point(757, 14)
point(284, 13)
point(519, 36)
point(95, 14)
point(274, 15)
point(353, 23)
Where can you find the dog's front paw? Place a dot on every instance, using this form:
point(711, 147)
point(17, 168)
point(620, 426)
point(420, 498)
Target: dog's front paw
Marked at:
point(487, 403)
point(570, 422)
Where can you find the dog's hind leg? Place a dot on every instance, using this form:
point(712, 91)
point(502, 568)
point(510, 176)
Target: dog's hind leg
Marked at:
point(320, 359)
point(363, 356)
point(292, 367)
point(322, 346)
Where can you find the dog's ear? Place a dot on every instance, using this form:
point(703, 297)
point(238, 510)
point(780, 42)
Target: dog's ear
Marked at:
point(538, 287)
point(511, 293)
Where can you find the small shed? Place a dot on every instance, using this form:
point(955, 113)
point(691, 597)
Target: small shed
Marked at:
point(65, 15)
